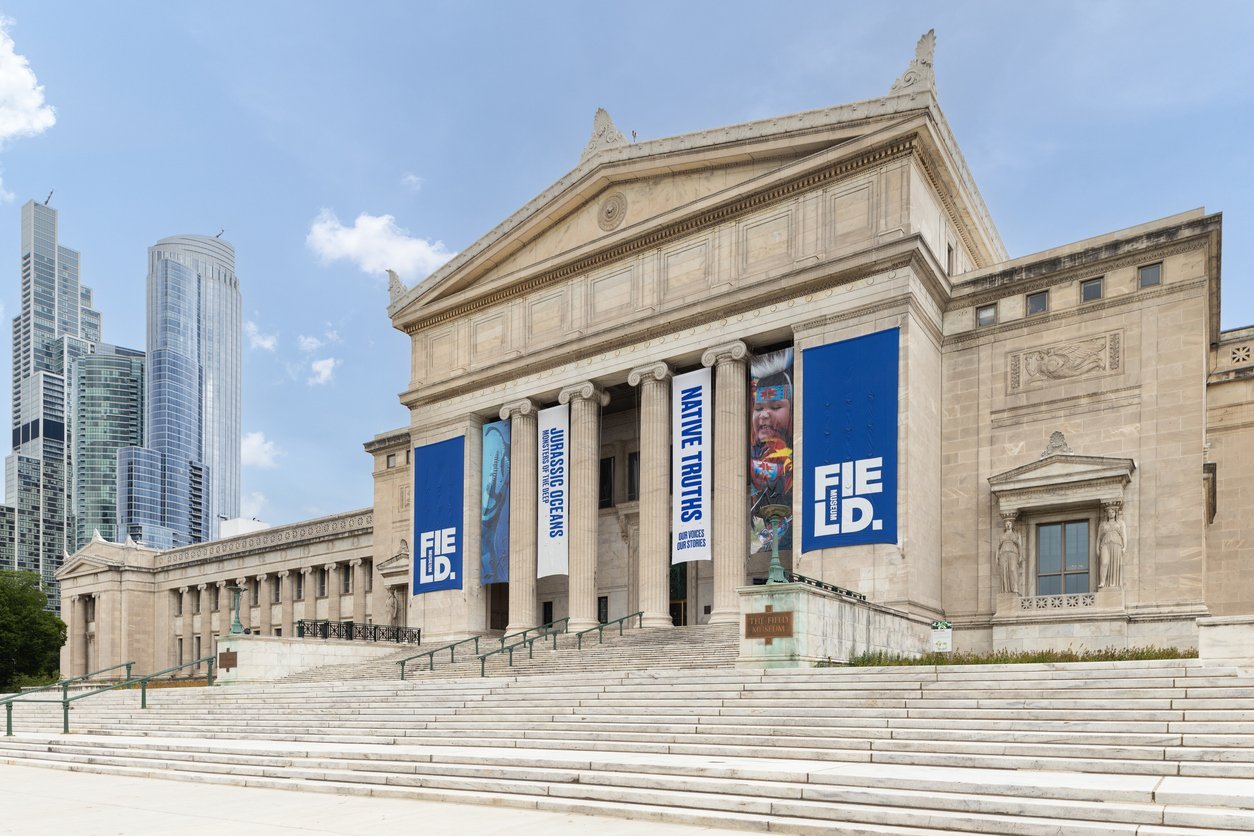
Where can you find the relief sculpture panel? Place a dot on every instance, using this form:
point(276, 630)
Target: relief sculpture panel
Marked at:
point(1037, 367)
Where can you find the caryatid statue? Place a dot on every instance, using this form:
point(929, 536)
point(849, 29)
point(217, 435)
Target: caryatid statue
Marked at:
point(1112, 541)
point(1010, 556)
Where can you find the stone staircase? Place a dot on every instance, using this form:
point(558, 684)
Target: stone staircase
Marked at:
point(663, 649)
point(1159, 747)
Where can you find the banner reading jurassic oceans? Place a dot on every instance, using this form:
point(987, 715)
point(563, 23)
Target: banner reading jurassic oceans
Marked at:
point(691, 460)
point(849, 442)
point(438, 484)
point(494, 524)
point(770, 447)
point(553, 500)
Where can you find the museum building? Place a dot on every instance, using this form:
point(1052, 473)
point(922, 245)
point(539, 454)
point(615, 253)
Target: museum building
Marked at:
point(801, 332)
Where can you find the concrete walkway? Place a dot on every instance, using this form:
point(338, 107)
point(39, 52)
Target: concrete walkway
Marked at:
point(57, 803)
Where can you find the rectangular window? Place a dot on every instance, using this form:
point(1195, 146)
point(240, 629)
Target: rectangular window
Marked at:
point(391, 461)
point(986, 315)
point(195, 648)
point(217, 598)
point(1150, 275)
point(178, 659)
point(346, 580)
point(322, 583)
point(195, 603)
point(1038, 303)
point(254, 593)
point(369, 577)
point(178, 602)
point(605, 497)
point(603, 608)
point(275, 591)
point(1091, 289)
point(1062, 558)
point(633, 476)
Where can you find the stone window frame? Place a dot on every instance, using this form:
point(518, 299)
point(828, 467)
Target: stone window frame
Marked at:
point(390, 461)
point(320, 590)
point(1027, 303)
point(1097, 281)
point(1090, 512)
point(346, 581)
point(992, 306)
point(298, 587)
point(1140, 275)
point(276, 591)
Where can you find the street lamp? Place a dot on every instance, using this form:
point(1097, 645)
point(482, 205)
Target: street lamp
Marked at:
point(237, 629)
point(775, 514)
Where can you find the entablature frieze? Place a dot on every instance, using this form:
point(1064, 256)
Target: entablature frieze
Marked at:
point(334, 528)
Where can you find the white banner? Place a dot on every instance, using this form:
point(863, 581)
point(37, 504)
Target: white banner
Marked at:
point(553, 514)
point(691, 464)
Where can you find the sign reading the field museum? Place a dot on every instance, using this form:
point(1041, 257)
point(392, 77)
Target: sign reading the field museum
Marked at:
point(849, 442)
point(691, 460)
point(768, 625)
point(439, 479)
point(494, 522)
point(553, 505)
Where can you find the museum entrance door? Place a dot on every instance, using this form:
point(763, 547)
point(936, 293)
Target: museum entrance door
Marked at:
point(679, 594)
point(498, 606)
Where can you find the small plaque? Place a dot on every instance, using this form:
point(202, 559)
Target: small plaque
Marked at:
point(768, 625)
point(228, 659)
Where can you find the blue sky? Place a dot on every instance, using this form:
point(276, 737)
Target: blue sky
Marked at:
point(329, 140)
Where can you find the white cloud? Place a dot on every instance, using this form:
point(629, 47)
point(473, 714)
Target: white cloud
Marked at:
point(323, 371)
point(251, 505)
point(256, 451)
point(22, 108)
point(308, 343)
point(412, 182)
point(375, 243)
point(256, 339)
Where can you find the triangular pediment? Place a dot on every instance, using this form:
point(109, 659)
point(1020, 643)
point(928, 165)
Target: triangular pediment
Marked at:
point(102, 556)
point(1063, 469)
point(81, 565)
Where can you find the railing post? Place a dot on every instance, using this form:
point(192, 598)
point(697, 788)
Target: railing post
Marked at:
point(143, 693)
point(476, 645)
point(128, 671)
point(8, 719)
point(402, 670)
point(483, 663)
point(211, 662)
point(300, 629)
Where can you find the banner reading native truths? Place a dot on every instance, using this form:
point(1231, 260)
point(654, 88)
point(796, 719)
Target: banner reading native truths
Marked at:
point(849, 442)
point(691, 460)
point(770, 446)
point(553, 500)
point(439, 474)
point(494, 522)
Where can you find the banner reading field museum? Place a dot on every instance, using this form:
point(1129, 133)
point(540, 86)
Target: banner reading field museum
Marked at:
point(849, 442)
point(439, 479)
point(553, 505)
point(494, 523)
point(770, 447)
point(691, 461)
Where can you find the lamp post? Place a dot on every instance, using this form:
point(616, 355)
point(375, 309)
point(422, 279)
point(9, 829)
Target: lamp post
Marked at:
point(237, 629)
point(775, 513)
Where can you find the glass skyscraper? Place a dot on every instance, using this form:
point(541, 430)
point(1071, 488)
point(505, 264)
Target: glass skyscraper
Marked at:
point(174, 489)
point(55, 326)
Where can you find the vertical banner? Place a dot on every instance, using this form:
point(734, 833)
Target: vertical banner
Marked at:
point(770, 447)
point(849, 444)
point(692, 459)
point(553, 506)
point(494, 521)
point(439, 480)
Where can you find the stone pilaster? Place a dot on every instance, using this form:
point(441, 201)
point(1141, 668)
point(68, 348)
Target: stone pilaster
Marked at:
point(586, 400)
point(186, 594)
point(523, 485)
point(77, 630)
point(653, 575)
point(287, 599)
point(731, 503)
point(358, 567)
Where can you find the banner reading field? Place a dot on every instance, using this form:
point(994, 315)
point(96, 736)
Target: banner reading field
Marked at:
point(691, 460)
point(553, 505)
point(439, 479)
point(849, 442)
point(494, 522)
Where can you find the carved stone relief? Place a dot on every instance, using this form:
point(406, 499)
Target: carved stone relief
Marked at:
point(1038, 367)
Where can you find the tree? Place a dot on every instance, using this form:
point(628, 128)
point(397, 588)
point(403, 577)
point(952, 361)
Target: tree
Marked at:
point(30, 636)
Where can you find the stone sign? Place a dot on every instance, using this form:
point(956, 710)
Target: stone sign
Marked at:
point(228, 659)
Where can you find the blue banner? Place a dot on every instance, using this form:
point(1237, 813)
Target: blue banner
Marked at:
point(849, 442)
point(439, 479)
point(494, 523)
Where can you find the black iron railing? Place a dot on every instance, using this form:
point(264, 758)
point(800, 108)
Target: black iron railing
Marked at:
point(352, 631)
point(848, 593)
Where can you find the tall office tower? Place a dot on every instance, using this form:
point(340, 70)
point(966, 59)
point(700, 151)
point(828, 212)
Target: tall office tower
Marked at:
point(106, 400)
point(55, 325)
point(175, 489)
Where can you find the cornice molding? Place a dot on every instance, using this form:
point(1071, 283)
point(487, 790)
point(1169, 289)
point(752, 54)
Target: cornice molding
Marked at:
point(327, 528)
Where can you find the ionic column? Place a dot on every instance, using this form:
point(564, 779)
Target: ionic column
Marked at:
point(333, 591)
point(206, 620)
point(586, 400)
point(309, 602)
point(77, 630)
point(359, 590)
point(523, 485)
point(224, 610)
point(653, 565)
point(731, 500)
point(287, 598)
point(263, 607)
point(187, 625)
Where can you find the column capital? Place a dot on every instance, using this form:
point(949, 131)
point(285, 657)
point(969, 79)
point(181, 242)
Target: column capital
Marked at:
point(221, 584)
point(282, 574)
point(307, 570)
point(241, 582)
point(330, 567)
point(182, 590)
point(732, 352)
point(74, 599)
point(654, 371)
point(261, 577)
point(201, 587)
point(586, 391)
point(526, 406)
point(355, 562)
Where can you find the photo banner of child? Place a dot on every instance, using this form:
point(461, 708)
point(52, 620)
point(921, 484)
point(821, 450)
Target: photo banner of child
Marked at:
point(770, 446)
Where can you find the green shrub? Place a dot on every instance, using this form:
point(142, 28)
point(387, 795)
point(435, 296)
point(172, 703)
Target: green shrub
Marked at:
point(1018, 657)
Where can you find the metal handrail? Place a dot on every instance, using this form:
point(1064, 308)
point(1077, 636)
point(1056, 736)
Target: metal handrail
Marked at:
point(530, 642)
point(600, 628)
point(64, 683)
point(542, 630)
point(430, 654)
point(130, 681)
point(829, 587)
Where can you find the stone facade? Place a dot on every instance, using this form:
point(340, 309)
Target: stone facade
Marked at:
point(1085, 393)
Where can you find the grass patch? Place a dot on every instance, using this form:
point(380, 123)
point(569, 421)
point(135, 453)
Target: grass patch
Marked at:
point(1019, 657)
